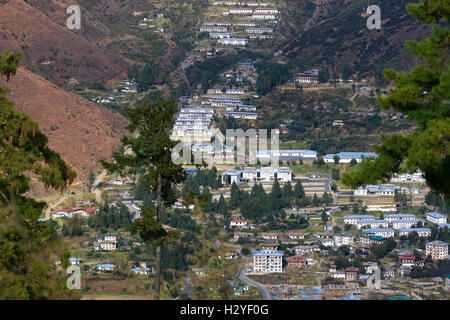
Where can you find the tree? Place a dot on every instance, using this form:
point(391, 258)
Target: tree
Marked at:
point(151, 147)
point(27, 246)
point(234, 196)
point(324, 217)
point(335, 174)
point(353, 163)
point(333, 186)
point(422, 95)
point(299, 192)
point(90, 179)
point(287, 194)
point(336, 159)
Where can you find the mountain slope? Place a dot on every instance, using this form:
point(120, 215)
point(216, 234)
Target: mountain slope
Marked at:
point(79, 130)
point(52, 50)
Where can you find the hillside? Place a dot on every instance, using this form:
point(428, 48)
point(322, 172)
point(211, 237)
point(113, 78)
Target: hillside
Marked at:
point(81, 131)
point(336, 35)
point(50, 49)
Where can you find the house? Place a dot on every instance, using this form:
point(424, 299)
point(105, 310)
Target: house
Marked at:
point(370, 240)
point(296, 235)
point(87, 212)
point(111, 237)
point(240, 224)
point(206, 28)
point(437, 249)
point(351, 274)
point(200, 271)
point(240, 11)
point(230, 176)
point(296, 262)
point(269, 245)
point(370, 267)
point(407, 259)
point(404, 270)
point(238, 235)
point(310, 76)
point(390, 273)
point(338, 275)
point(268, 261)
point(305, 250)
point(143, 270)
point(344, 239)
point(75, 261)
point(269, 236)
point(105, 245)
point(436, 218)
point(105, 267)
point(332, 268)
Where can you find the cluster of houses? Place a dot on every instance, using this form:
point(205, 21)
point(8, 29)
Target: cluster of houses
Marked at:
point(107, 242)
point(252, 174)
point(78, 211)
point(235, 108)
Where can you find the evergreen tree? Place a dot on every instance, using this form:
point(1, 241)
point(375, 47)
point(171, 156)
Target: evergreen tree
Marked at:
point(152, 155)
point(287, 194)
point(27, 246)
point(299, 192)
point(234, 196)
point(422, 95)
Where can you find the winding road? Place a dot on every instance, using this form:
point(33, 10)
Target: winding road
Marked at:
point(264, 291)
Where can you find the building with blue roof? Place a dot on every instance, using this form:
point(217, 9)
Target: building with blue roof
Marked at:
point(382, 232)
point(436, 218)
point(268, 261)
point(288, 155)
point(105, 267)
point(422, 232)
point(353, 219)
point(346, 157)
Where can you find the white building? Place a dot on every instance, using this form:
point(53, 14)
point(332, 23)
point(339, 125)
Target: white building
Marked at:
point(268, 261)
point(422, 232)
point(416, 177)
point(354, 219)
point(405, 223)
point(241, 11)
point(436, 218)
point(374, 224)
point(287, 155)
point(265, 174)
point(233, 41)
point(238, 224)
point(437, 249)
point(382, 232)
point(346, 157)
point(344, 239)
point(395, 217)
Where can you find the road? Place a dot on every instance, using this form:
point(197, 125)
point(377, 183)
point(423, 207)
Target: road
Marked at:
point(265, 293)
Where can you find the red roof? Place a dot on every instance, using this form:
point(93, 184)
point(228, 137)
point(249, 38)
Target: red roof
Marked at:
point(296, 259)
point(351, 269)
point(91, 210)
point(407, 257)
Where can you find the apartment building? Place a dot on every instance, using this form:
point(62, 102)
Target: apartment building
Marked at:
point(268, 261)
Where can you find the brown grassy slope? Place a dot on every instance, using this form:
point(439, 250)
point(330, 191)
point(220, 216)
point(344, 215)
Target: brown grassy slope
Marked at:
point(52, 50)
point(81, 131)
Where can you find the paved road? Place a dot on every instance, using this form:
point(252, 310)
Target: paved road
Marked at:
point(265, 293)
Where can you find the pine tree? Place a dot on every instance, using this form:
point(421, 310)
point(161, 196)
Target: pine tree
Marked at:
point(287, 194)
point(234, 196)
point(299, 192)
point(151, 147)
point(27, 246)
point(422, 95)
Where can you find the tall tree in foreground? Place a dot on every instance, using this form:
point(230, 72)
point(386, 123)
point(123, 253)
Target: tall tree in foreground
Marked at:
point(150, 149)
point(29, 248)
point(423, 95)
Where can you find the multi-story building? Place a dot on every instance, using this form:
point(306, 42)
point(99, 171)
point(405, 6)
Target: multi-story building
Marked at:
point(344, 239)
point(287, 155)
point(233, 41)
point(259, 30)
point(354, 219)
point(422, 232)
point(437, 249)
point(268, 261)
point(436, 218)
point(241, 11)
point(238, 224)
point(207, 28)
point(382, 232)
point(346, 157)
point(265, 174)
point(220, 35)
point(397, 217)
point(296, 262)
point(310, 76)
point(374, 224)
point(405, 223)
point(242, 115)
